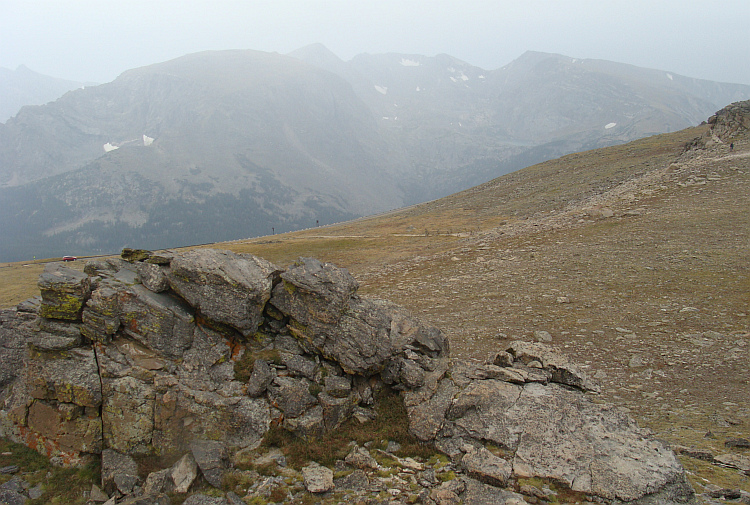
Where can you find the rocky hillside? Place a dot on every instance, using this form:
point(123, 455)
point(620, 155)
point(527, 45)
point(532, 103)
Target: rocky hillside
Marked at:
point(223, 145)
point(195, 358)
point(633, 259)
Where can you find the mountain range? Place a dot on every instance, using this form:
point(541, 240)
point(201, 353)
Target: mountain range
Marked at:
point(222, 145)
point(23, 86)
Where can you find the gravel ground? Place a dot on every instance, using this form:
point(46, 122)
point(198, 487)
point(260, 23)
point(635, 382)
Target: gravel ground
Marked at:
point(646, 283)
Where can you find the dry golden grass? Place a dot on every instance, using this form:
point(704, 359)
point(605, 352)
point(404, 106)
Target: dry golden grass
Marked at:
point(18, 281)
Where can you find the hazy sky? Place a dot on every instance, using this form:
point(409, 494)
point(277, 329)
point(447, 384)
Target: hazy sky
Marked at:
point(96, 40)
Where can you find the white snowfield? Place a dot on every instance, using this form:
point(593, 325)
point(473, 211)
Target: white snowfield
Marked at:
point(147, 141)
point(381, 89)
point(609, 125)
point(409, 63)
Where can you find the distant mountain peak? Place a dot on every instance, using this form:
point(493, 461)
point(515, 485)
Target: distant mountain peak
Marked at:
point(24, 86)
point(314, 54)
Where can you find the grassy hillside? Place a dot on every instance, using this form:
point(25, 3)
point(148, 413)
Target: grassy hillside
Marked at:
point(634, 259)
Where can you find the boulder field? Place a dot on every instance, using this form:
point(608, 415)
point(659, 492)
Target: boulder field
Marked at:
point(195, 355)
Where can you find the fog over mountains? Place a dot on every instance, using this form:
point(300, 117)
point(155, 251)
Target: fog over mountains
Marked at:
point(23, 86)
point(231, 144)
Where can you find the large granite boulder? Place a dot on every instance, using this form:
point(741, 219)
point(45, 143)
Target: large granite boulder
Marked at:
point(160, 322)
point(361, 335)
point(223, 286)
point(314, 293)
point(542, 425)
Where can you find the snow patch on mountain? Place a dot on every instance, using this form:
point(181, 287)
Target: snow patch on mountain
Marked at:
point(409, 63)
point(109, 147)
point(609, 125)
point(381, 89)
point(460, 75)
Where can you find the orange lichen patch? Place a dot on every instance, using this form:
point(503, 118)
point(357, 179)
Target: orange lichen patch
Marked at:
point(277, 421)
point(49, 448)
point(133, 325)
point(38, 442)
point(28, 437)
point(236, 349)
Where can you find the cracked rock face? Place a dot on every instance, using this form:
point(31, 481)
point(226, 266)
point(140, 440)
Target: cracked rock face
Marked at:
point(544, 427)
point(151, 353)
point(176, 352)
point(223, 286)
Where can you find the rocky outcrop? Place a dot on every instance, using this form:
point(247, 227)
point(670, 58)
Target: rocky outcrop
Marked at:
point(193, 356)
point(725, 125)
point(730, 120)
point(233, 343)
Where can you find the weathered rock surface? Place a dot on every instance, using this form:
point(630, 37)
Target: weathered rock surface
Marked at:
point(10, 497)
point(194, 355)
point(212, 459)
point(737, 461)
point(361, 458)
point(223, 286)
point(260, 379)
point(562, 370)
point(160, 499)
point(318, 479)
point(202, 499)
point(731, 119)
point(15, 330)
point(119, 473)
point(312, 292)
point(159, 482)
point(64, 292)
point(482, 465)
point(553, 431)
point(184, 473)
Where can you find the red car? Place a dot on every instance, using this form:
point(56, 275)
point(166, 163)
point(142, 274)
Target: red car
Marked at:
point(69, 258)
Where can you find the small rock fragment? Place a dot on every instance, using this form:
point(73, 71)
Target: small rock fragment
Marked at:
point(317, 478)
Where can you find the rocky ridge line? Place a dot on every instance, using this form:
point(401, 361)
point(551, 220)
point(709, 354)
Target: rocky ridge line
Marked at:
point(198, 354)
